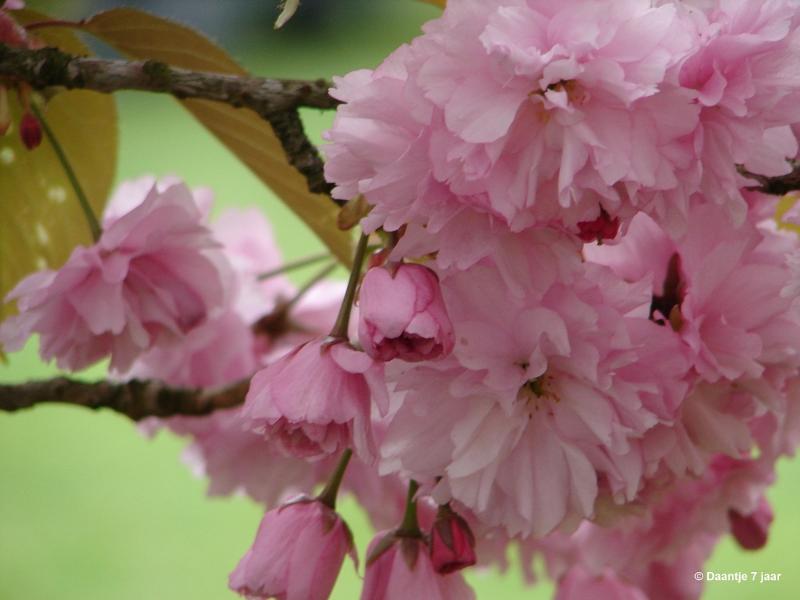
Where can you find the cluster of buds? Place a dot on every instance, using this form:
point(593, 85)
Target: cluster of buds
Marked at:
point(30, 129)
point(13, 34)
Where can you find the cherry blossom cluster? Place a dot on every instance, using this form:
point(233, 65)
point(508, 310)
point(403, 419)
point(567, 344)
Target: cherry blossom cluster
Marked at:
point(579, 337)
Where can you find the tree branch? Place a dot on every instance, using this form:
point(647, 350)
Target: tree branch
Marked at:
point(275, 100)
point(776, 186)
point(135, 399)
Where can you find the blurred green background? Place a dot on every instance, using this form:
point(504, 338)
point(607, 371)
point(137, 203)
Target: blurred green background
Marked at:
point(89, 508)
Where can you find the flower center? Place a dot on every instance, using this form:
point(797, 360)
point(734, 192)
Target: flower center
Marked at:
point(535, 393)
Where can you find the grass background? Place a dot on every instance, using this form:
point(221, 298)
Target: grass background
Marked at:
point(90, 509)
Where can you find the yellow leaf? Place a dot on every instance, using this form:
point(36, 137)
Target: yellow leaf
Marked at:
point(786, 203)
point(436, 2)
point(145, 36)
point(40, 218)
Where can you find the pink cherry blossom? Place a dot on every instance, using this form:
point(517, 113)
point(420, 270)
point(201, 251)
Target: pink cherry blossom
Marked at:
point(748, 89)
point(317, 400)
point(726, 282)
point(155, 274)
point(529, 113)
point(568, 378)
point(402, 315)
point(297, 554)
point(400, 567)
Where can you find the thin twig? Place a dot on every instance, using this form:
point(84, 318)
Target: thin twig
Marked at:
point(776, 186)
point(91, 218)
point(274, 100)
point(294, 264)
point(51, 67)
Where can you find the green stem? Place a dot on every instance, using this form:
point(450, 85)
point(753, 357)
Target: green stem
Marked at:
point(293, 265)
point(410, 526)
point(91, 219)
point(328, 495)
point(343, 319)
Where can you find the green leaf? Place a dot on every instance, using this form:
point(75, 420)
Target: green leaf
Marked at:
point(40, 218)
point(144, 36)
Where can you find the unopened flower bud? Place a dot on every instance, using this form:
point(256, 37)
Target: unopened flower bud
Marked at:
point(751, 531)
point(452, 542)
point(399, 566)
point(297, 554)
point(30, 130)
point(402, 315)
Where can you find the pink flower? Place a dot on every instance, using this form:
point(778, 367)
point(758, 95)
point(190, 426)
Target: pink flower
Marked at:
point(297, 554)
point(743, 74)
point(751, 530)
point(527, 112)
point(723, 283)
point(402, 315)
point(578, 584)
point(155, 274)
point(556, 381)
point(400, 567)
point(452, 542)
point(316, 401)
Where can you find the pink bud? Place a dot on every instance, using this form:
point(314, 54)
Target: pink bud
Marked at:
point(752, 531)
point(402, 315)
point(11, 32)
point(30, 130)
point(602, 228)
point(297, 554)
point(401, 567)
point(452, 542)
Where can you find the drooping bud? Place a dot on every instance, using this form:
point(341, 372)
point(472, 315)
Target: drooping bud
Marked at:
point(452, 542)
point(751, 531)
point(5, 111)
point(400, 567)
point(602, 228)
point(30, 130)
point(316, 401)
point(402, 315)
point(297, 554)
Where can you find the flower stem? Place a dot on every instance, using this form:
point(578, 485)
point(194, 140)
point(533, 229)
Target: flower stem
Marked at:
point(410, 526)
point(328, 495)
point(326, 270)
point(293, 265)
point(343, 319)
point(91, 219)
